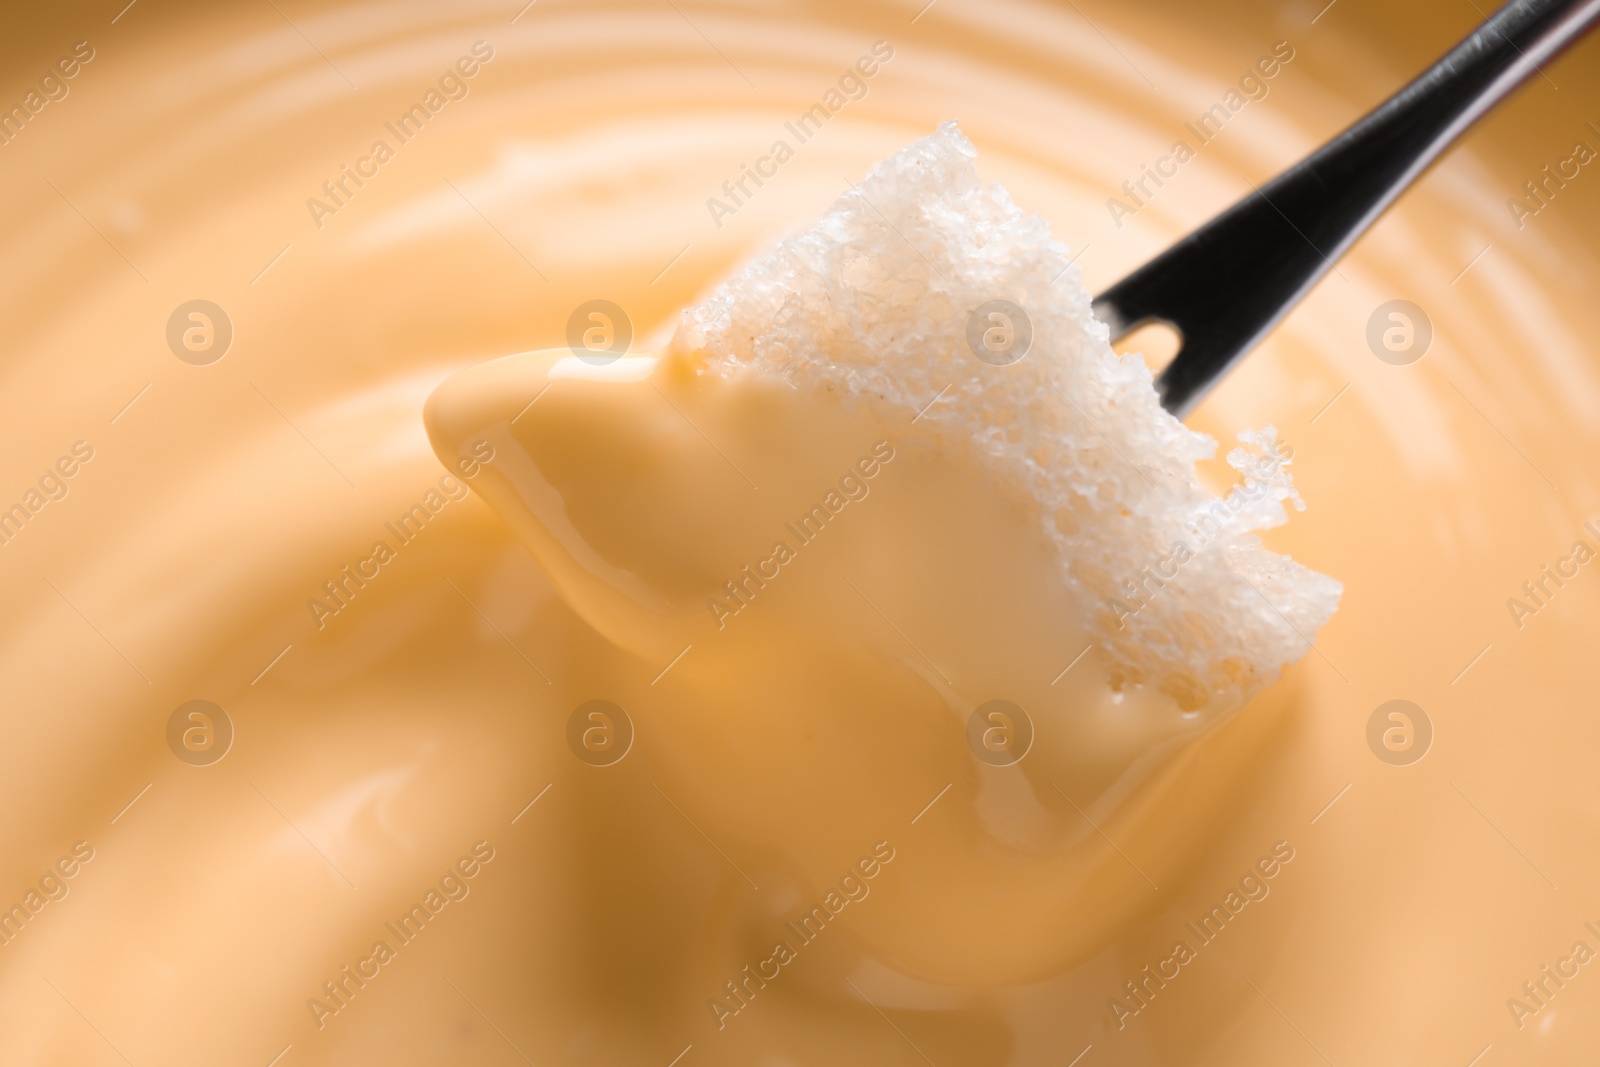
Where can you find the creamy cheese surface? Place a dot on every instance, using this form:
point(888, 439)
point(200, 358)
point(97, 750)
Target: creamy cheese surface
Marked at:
point(803, 679)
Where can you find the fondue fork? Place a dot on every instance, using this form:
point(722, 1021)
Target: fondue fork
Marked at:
point(1226, 285)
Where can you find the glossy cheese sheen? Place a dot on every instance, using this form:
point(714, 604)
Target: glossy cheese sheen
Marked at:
point(403, 650)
